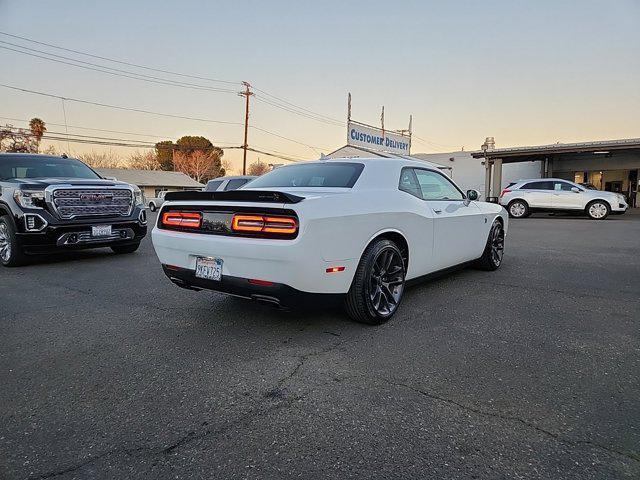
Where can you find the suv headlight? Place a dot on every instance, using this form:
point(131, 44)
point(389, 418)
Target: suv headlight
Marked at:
point(29, 198)
point(137, 195)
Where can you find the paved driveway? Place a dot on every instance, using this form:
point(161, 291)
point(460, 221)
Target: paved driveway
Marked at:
point(109, 371)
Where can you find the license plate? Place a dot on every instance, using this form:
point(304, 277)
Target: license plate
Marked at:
point(209, 268)
point(101, 231)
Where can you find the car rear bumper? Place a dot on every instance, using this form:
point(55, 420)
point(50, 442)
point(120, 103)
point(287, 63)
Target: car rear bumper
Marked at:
point(288, 262)
point(275, 294)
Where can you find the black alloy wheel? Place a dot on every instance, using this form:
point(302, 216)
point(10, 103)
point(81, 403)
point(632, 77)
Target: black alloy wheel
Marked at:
point(494, 249)
point(378, 285)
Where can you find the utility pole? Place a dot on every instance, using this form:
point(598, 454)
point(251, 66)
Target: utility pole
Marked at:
point(247, 93)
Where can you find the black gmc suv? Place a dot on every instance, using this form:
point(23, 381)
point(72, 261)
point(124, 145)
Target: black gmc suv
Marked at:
point(50, 204)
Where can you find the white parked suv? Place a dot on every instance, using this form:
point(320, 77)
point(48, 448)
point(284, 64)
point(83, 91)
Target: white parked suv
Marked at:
point(555, 194)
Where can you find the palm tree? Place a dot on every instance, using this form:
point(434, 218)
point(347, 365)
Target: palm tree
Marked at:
point(38, 128)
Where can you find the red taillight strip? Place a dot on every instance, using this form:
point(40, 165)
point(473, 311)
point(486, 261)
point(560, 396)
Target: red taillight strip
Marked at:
point(182, 219)
point(264, 224)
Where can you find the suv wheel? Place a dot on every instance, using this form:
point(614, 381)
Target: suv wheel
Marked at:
point(378, 284)
point(518, 209)
point(598, 210)
point(152, 206)
point(10, 254)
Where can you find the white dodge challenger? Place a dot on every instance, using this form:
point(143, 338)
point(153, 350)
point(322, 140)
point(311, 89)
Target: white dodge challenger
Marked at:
point(354, 230)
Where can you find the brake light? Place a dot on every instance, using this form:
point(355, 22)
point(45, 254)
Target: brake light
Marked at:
point(182, 219)
point(264, 224)
point(506, 190)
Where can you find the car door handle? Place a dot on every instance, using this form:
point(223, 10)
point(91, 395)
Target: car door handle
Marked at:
point(437, 210)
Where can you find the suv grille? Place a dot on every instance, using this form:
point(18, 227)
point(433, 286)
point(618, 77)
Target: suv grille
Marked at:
point(71, 202)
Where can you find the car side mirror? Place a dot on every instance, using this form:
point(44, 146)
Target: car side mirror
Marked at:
point(473, 194)
point(575, 189)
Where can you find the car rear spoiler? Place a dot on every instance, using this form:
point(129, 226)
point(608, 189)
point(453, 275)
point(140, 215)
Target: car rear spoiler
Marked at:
point(235, 196)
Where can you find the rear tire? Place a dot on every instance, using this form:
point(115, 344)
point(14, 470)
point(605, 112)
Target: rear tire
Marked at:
point(124, 249)
point(598, 210)
point(378, 284)
point(491, 258)
point(152, 207)
point(10, 253)
point(518, 209)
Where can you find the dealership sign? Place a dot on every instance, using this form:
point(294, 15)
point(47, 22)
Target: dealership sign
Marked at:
point(373, 138)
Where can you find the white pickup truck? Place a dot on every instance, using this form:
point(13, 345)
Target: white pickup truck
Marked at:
point(155, 203)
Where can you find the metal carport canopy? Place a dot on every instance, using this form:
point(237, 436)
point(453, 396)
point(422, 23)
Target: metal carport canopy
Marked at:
point(528, 154)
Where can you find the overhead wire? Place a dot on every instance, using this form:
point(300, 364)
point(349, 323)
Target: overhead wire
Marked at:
point(122, 62)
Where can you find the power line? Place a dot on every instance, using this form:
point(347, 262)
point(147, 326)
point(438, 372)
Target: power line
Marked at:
point(271, 99)
point(121, 62)
point(316, 149)
point(275, 155)
point(296, 112)
point(299, 107)
point(116, 72)
point(93, 129)
point(117, 107)
point(165, 137)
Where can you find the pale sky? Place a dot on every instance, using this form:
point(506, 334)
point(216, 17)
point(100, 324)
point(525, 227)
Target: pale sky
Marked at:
point(525, 72)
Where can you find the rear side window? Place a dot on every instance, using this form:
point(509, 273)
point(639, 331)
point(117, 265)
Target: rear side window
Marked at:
point(213, 185)
point(328, 174)
point(428, 185)
point(235, 183)
point(564, 186)
point(537, 186)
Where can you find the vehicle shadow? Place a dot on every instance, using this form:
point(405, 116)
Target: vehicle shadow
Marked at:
point(97, 254)
point(568, 216)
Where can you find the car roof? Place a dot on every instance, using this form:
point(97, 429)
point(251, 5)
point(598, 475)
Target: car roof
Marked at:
point(36, 155)
point(233, 177)
point(543, 180)
point(378, 161)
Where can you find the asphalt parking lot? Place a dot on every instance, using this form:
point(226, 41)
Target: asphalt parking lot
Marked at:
point(109, 371)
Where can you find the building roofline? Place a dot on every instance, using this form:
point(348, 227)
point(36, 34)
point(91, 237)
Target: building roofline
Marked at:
point(626, 143)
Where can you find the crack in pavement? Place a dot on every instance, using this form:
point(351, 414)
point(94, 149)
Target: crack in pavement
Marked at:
point(503, 416)
point(188, 438)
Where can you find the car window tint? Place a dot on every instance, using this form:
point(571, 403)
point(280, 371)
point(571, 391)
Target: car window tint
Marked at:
point(235, 183)
point(325, 174)
point(538, 186)
point(435, 186)
point(563, 186)
point(213, 185)
point(409, 182)
point(27, 166)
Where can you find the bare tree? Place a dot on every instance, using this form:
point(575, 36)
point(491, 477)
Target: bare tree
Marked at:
point(147, 160)
point(258, 168)
point(199, 165)
point(102, 160)
point(13, 139)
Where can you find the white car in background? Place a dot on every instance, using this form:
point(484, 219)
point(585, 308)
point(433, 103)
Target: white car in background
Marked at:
point(223, 184)
point(155, 203)
point(554, 194)
point(356, 230)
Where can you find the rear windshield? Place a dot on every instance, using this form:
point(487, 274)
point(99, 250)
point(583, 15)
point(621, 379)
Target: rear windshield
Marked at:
point(21, 167)
point(329, 174)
